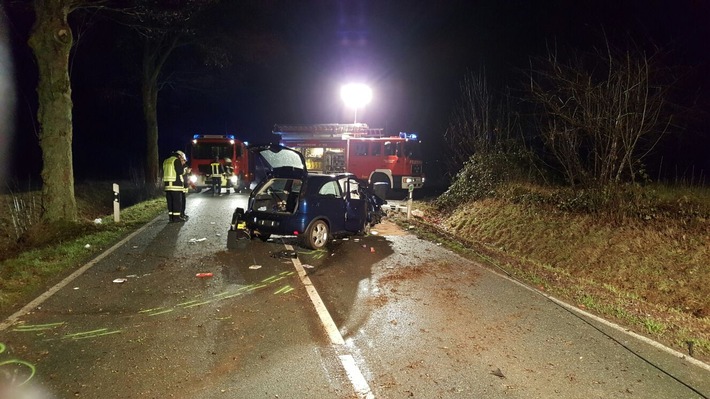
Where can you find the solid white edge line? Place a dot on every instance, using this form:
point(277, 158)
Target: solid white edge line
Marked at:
point(38, 301)
point(357, 379)
point(607, 323)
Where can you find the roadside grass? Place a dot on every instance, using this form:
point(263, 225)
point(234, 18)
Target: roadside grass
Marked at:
point(41, 255)
point(646, 268)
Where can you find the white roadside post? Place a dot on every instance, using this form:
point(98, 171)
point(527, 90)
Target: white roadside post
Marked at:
point(116, 204)
point(409, 202)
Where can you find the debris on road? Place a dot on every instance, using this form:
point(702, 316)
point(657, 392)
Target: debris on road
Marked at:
point(254, 267)
point(120, 280)
point(284, 254)
point(203, 275)
point(498, 373)
point(305, 266)
point(194, 240)
point(87, 246)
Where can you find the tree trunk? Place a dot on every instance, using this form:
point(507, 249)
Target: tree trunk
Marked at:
point(155, 51)
point(51, 42)
point(150, 113)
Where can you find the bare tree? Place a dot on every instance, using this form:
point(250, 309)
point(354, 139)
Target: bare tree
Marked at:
point(162, 28)
point(484, 124)
point(216, 32)
point(602, 113)
point(471, 125)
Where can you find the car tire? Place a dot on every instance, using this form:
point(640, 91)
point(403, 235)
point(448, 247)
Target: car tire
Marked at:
point(317, 235)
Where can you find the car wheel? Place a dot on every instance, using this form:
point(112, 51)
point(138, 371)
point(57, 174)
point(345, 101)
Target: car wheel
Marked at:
point(317, 235)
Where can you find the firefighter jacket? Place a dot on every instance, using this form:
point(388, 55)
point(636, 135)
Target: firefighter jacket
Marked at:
point(173, 171)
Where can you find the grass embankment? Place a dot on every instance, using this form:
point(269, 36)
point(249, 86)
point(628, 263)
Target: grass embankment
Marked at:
point(34, 256)
point(648, 272)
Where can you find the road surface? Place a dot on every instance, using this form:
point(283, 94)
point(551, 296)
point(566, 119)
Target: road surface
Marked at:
point(382, 316)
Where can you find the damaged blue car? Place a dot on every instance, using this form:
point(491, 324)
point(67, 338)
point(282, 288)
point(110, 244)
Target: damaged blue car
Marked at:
point(289, 201)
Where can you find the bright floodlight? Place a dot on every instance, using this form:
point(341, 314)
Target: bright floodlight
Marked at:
point(356, 95)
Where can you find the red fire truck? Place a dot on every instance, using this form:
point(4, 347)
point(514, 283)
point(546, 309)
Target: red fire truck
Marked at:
point(359, 149)
point(206, 147)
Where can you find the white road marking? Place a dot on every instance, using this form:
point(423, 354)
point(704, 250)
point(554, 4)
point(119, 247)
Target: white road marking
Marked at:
point(38, 301)
point(357, 379)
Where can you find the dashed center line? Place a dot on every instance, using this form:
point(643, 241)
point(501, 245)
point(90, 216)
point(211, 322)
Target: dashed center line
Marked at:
point(357, 379)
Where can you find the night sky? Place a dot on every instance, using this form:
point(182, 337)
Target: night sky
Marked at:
point(413, 54)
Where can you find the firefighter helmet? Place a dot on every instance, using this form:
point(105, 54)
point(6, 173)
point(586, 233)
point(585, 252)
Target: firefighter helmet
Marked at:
point(182, 155)
point(227, 160)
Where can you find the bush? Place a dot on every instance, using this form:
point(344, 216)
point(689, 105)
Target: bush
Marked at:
point(482, 175)
point(479, 178)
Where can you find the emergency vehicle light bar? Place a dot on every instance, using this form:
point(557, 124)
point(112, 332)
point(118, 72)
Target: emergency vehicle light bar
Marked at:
point(213, 136)
point(408, 136)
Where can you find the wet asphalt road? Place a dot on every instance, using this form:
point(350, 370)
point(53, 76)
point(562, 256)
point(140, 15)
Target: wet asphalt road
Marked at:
point(417, 321)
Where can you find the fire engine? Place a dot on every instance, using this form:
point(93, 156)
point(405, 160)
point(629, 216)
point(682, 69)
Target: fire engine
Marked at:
point(206, 147)
point(366, 152)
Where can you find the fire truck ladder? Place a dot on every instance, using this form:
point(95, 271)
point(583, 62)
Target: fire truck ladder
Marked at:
point(326, 131)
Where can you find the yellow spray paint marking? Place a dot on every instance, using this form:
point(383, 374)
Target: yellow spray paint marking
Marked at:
point(229, 294)
point(91, 334)
point(199, 303)
point(149, 310)
point(315, 254)
point(161, 312)
point(98, 335)
point(37, 327)
point(85, 333)
point(269, 281)
point(14, 372)
point(283, 290)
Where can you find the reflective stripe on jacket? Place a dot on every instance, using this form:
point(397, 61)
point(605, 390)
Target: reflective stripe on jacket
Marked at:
point(216, 168)
point(172, 180)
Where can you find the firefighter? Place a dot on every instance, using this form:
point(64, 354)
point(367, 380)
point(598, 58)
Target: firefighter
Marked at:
point(217, 171)
point(185, 186)
point(173, 171)
point(228, 172)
